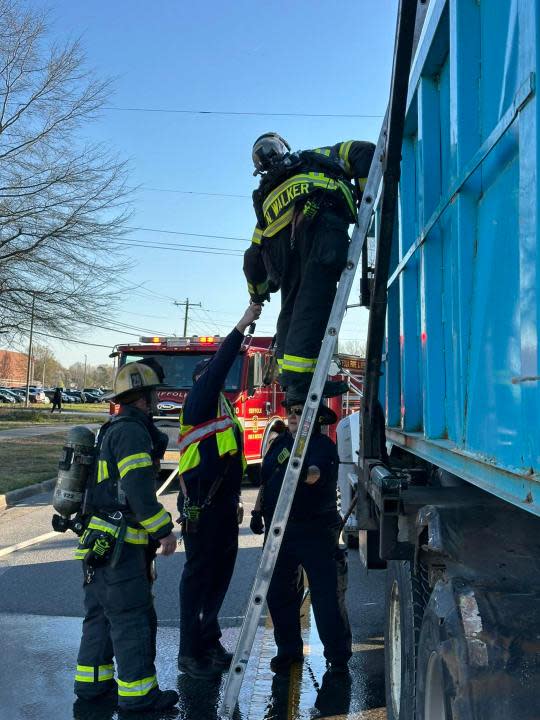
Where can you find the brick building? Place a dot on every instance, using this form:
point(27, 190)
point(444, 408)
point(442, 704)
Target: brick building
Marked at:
point(13, 366)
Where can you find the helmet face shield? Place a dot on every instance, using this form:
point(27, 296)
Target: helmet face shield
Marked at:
point(267, 149)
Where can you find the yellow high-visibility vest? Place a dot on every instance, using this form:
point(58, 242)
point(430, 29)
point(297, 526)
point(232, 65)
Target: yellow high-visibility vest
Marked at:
point(223, 429)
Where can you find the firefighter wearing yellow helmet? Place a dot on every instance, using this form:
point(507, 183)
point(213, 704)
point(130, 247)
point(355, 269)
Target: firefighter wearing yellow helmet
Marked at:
point(125, 526)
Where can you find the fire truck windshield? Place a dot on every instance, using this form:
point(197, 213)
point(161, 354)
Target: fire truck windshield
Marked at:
point(178, 368)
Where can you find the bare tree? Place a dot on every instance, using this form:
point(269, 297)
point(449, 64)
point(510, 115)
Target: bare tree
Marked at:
point(96, 375)
point(353, 346)
point(45, 367)
point(62, 201)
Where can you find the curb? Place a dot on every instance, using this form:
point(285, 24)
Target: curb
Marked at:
point(14, 496)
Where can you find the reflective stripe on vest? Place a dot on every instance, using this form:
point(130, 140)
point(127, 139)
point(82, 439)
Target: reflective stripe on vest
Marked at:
point(202, 431)
point(223, 429)
point(278, 207)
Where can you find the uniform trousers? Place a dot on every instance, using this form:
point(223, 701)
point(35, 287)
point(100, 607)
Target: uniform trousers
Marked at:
point(313, 546)
point(210, 557)
point(120, 622)
point(310, 269)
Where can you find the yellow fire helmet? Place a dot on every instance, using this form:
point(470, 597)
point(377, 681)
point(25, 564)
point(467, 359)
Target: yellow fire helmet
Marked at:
point(132, 377)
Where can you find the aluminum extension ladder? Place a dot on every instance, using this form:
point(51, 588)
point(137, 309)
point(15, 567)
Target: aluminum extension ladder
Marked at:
point(307, 422)
point(388, 151)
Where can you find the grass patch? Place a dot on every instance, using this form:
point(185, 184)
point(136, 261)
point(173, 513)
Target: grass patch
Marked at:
point(25, 461)
point(85, 407)
point(18, 417)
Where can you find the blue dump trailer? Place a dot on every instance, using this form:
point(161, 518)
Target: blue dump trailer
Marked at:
point(446, 464)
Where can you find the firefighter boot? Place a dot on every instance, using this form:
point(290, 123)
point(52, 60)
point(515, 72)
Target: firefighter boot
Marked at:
point(163, 700)
point(219, 656)
point(200, 668)
point(280, 664)
point(297, 394)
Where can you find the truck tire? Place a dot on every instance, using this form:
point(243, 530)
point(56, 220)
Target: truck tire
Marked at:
point(435, 686)
point(478, 653)
point(407, 593)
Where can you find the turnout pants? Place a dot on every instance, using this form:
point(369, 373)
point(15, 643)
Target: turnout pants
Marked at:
point(120, 622)
point(316, 258)
point(313, 547)
point(210, 557)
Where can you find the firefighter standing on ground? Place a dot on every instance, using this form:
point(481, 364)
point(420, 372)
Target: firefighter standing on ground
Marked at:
point(212, 465)
point(304, 205)
point(310, 542)
point(127, 524)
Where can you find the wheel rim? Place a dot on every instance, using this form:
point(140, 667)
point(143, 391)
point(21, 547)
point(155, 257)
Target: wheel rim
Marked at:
point(434, 704)
point(394, 644)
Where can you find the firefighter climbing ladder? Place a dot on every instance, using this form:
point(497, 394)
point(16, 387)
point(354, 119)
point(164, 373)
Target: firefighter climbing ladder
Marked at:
point(402, 54)
point(307, 422)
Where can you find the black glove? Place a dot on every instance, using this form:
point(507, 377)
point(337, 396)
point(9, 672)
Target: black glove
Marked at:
point(256, 524)
point(261, 298)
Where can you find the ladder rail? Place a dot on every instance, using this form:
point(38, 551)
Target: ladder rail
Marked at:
point(272, 545)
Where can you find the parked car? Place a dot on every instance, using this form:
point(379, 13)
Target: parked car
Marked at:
point(35, 395)
point(80, 394)
point(6, 397)
point(92, 397)
point(16, 396)
point(98, 392)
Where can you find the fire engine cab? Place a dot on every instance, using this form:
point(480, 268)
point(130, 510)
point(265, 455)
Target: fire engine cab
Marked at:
point(250, 387)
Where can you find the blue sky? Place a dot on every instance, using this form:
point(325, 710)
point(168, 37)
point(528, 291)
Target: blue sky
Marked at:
point(245, 56)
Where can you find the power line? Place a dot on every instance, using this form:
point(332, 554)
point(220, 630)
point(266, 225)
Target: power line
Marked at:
point(190, 192)
point(142, 288)
point(176, 248)
point(57, 337)
point(179, 232)
point(169, 243)
point(176, 111)
point(134, 332)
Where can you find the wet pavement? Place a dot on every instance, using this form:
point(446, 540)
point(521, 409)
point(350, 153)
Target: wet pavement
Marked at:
point(40, 624)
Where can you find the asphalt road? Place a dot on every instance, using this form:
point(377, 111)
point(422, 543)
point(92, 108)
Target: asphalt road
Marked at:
point(40, 620)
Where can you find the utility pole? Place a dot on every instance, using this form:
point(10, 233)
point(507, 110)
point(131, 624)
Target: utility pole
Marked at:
point(188, 305)
point(28, 369)
point(84, 378)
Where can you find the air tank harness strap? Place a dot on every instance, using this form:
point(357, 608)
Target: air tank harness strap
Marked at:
point(191, 512)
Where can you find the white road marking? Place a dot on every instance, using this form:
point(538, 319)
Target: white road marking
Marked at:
point(244, 540)
point(27, 543)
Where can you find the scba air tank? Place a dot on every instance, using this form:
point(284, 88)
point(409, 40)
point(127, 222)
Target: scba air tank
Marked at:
point(74, 469)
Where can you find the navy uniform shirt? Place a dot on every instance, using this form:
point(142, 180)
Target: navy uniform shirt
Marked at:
point(316, 501)
point(201, 406)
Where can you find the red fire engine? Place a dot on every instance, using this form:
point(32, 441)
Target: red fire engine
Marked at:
point(257, 404)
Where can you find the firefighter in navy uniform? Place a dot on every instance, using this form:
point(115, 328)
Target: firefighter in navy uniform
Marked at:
point(304, 205)
point(211, 468)
point(311, 542)
point(125, 526)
